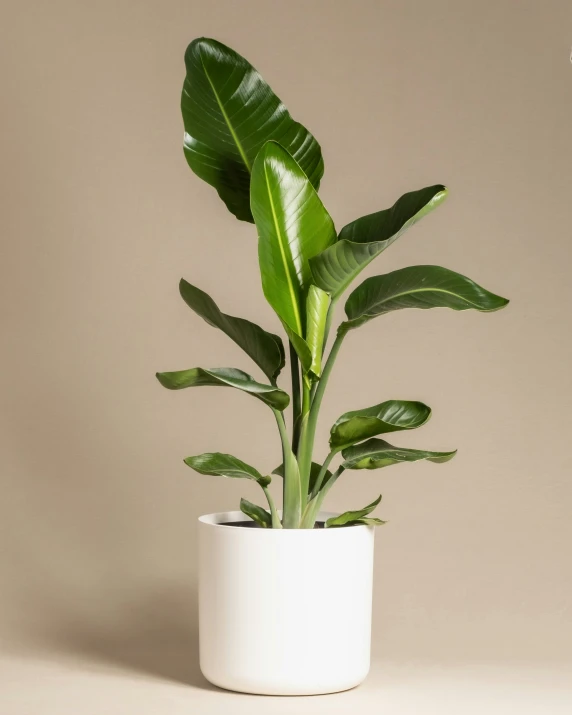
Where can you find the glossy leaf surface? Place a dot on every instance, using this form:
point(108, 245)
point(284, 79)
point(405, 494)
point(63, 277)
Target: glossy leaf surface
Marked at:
point(350, 517)
point(266, 349)
point(362, 240)
point(224, 377)
point(256, 513)
point(389, 416)
point(293, 226)
point(225, 465)
point(376, 453)
point(417, 287)
point(229, 112)
point(317, 305)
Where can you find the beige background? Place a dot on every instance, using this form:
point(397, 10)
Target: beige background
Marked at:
point(101, 217)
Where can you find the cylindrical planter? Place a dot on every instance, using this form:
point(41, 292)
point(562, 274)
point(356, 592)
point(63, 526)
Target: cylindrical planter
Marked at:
point(284, 611)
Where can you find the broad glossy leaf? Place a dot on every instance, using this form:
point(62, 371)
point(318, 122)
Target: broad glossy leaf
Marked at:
point(293, 226)
point(264, 348)
point(417, 287)
point(376, 453)
point(229, 112)
point(350, 517)
point(389, 416)
point(256, 513)
point(225, 465)
point(224, 377)
point(314, 472)
point(317, 305)
point(362, 240)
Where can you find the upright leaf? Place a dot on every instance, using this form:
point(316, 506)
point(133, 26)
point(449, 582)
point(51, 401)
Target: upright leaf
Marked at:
point(256, 513)
point(225, 465)
point(224, 377)
point(364, 239)
point(229, 112)
point(264, 348)
point(417, 287)
point(350, 517)
point(293, 226)
point(389, 416)
point(376, 453)
point(317, 305)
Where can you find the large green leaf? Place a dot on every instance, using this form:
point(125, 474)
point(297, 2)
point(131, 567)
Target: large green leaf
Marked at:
point(317, 305)
point(229, 112)
point(351, 517)
point(417, 287)
point(389, 416)
point(376, 453)
point(364, 239)
point(224, 377)
point(256, 513)
point(225, 465)
point(264, 348)
point(293, 226)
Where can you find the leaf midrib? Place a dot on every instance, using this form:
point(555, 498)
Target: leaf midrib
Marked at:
point(291, 290)
point(227, 120)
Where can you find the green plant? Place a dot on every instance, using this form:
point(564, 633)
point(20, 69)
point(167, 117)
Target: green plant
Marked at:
point(267, 168)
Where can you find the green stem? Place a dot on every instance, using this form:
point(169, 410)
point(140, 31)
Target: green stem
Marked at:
point(308, 434)
point(291, 497)
point(329, 318)
point(303, 444)
point(315, 504)
point(276, 523)
point(322, 472)
point(296, 407)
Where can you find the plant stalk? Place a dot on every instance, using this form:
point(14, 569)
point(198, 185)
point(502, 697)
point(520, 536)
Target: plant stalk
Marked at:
point(291, 496)
point(308, 433)
point(296, 406)
point(276, 523)
point(322, 473)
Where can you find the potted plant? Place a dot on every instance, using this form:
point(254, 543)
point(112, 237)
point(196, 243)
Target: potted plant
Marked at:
point(285, 595)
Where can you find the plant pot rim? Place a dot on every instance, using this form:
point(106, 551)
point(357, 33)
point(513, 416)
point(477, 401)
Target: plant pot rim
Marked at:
point(220, 519)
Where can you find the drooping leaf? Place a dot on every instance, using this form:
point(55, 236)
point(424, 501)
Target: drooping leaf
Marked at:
point(317, 305)
point(376, 453)
point(314, 472)
point(350, 517)
point(266, 349)
point(229, 112)
point(225, 377)
point(417, 287)
point(367, 521)
point(389, 416)
point(225, 465)
point(256, 513)
point(293, 226)
point(362, 240)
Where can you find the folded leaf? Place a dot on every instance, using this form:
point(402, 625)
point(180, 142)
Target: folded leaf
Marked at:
point(362, 240)
point(389, 416)
point(417, 287)
point(256, 513)
point(350, 517)
point(376, 453)
point(264, 348)
point(293, 226)
point(229, 112)
point(225, 465)
point(301, 347)
point(314, 472)
point(367, 521)
point(225, 377)
point(317, 305)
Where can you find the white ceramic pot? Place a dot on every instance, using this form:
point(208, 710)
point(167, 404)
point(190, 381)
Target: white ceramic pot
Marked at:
point(284, 611)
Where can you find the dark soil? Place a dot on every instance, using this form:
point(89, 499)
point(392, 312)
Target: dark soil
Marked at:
point(253, 525)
